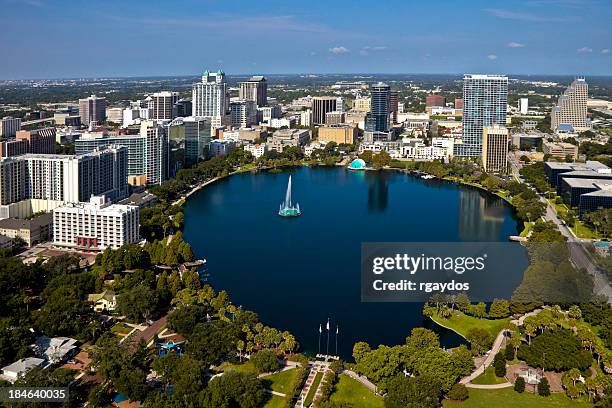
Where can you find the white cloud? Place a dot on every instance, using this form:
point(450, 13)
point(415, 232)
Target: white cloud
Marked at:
point(584, 50)
point(339, 50)
point(605, 51)
point(516, 45)
point(367, 49)
point(526, 16)
point(492, 57)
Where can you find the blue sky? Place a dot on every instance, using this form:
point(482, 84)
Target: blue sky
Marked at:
point(70, 38)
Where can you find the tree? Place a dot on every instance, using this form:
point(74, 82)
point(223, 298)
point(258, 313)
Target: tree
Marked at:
point(64, 312)
point(544, 387)
point(509, 352)
point(558, 350)
point(480, 340)
point(422, 338)
point(265, 361)
point(519, 385)
point(412, 392)
point(499, 308)
point(234, 389)
point(575, 312)
point(381, 160)
point(211, 342)
point(458, 392)
point(137, 303)
point(500, 368)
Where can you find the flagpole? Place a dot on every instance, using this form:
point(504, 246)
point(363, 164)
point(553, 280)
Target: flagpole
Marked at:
point(320, 330)
point(336, 340)
point(327, 337)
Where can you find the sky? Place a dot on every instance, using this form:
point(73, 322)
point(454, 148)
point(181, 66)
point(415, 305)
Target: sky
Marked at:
point(117, 38)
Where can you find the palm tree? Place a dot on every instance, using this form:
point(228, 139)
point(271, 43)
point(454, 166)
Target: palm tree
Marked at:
point(574, 374)
point(529, 331)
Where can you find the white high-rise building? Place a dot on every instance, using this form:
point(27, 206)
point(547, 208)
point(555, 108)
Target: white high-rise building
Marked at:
point(243, 113)
point(485, 99)
point(95, 225)
point(148, 152)
point(9, 127)
point(211, 98)
point(65, 178)
point(571, 109)
point(524, 106)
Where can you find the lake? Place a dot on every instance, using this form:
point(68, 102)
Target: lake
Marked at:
point(298, 272)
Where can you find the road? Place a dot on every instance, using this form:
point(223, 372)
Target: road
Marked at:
point(579, 254)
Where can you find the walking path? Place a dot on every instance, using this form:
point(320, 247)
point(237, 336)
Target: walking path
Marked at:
point(362, 379)
point(497, 344)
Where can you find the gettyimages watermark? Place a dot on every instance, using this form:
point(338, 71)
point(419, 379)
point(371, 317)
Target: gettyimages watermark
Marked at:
point(415, 271)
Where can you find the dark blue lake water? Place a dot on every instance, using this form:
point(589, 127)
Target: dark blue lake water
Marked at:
point(296, 273)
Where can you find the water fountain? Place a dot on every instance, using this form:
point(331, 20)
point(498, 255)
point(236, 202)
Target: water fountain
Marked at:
point(287, 209)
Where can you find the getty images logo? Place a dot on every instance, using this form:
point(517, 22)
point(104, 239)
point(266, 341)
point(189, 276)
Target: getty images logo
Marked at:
point(414, 264)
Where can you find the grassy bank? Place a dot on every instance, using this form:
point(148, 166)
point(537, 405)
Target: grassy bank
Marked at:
point(461, 323)
point(507, 397)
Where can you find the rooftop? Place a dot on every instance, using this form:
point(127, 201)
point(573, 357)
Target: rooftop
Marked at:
point(31, 224)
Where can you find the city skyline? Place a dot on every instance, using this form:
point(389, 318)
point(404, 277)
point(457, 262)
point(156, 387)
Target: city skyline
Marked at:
point(556, 37)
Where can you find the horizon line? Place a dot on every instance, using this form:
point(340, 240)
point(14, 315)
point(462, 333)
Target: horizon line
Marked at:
point(83, 78)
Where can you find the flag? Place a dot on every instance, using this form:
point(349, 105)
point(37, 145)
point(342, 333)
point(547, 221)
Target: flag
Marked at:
point(336, 329)
point(327, 324)
point(320, 330)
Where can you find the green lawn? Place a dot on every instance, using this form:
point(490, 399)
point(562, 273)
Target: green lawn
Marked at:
point(281, 382)
point(349, 391)
point(121, 328)
point(526, 228)
point(462, 323)
point(275, 402)
point(246, 367)
point(489, 377)
point(313, 389)
point(507, 397)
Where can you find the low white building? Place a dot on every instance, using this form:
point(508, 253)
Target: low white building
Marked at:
point(312, 146)
point(257, 150)
point(96, 225)
point(19, 368)
point(440, 148)
point(282, 122)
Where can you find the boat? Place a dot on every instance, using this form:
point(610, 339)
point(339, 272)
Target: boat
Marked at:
point(428, 177)
point(286, 208)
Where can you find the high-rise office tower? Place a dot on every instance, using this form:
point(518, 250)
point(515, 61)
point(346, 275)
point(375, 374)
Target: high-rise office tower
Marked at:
point(182, 108)
point(243, 113)
point(393, 104)
point(197, 137)
point(163, 104)
point(495, 149)
point(485, 99)
point(320, 106)
point(92, 109)
point(377, 120)
point(211, 98)
point(254, 90)
point(9, 127)
point(571, 108)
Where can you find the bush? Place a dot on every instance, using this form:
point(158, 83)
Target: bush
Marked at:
point(519, 385)
point(265, 361)
point(458, 392)
point(500, 368)
point(544, 388)
point(509, 353)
